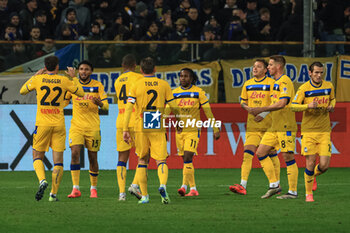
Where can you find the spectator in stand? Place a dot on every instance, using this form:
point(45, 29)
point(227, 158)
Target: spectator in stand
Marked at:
point(129, 14)
point(347, 37)
point(156, 9)
point(207, 12)
point(264, 27)
point(181, 30)
point(14, 20)
point(225, 14)
point(251, 30)
point(277, 10)
point(234, 30)
point(182, 10)
point(33, 48)
point(105, 11)
point(152, 32)
point(331, 13)
point(243, 51)
point(292, 29)
point(27, 17)
point(73, 25)
point(35, 33)
point(9, 33)
point(54, 9)
point(209, 52)
point(167, 28)
point(100, 19)
point(83, 15)
point(94, 49)
point(117, 31)
point(216, 27)
point(41, 22)
point(252, 13)
point(141, 21)
point(4, 13)
point(48, 47)
point(194, 24)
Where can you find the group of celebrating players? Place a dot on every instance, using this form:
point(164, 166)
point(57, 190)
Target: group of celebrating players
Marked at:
point(271, 124)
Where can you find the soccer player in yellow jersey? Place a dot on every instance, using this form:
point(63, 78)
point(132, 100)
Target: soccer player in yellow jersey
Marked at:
point(85, 127)
point(255, 93)
point(282, 131)
point(189, 100)
point(316, 98)
point(50, 129)
point(149, 95)
point(122, 86)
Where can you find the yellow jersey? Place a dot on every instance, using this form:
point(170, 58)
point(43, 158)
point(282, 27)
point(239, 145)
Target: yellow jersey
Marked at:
point(256, 93)
point(150, 95)
point(315, 120)
point(50, 90)
point(283, 119)
point(85, 112)
point(189, 101)
point(122, 87)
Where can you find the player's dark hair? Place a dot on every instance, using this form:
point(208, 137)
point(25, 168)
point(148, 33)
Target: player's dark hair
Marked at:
point(129, 61)
point(86, 62)
point(192, 74)
point(263, 61)
point(51, 62)
point(279, 59)
point(147, 65)
point(316, 63)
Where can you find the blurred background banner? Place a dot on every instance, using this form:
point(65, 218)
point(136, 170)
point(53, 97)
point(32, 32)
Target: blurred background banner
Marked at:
point(236, 72)
point(343, 82)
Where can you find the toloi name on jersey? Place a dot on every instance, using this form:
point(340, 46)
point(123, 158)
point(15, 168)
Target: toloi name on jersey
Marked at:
point(151, 84)
point(51, 80)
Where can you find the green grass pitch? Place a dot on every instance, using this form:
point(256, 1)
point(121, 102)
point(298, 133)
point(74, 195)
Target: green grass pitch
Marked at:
point(216, 209)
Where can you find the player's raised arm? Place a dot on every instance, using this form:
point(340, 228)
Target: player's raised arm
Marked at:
point(74, 87)
point(30, 84)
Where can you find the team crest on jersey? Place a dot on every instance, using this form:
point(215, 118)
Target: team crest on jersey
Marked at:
point(151, 120)
point(284, 90)
point(326, 92)
point(305, 149)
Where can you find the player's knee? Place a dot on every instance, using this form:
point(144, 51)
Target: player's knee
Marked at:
point(323, 167)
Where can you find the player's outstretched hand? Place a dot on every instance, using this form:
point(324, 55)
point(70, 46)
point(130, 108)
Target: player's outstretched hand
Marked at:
point(97, 101)
point(126, 136)
point(216, 135)
point(70, 71)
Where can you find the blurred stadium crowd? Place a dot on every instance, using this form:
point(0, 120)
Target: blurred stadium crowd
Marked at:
point(156, 20)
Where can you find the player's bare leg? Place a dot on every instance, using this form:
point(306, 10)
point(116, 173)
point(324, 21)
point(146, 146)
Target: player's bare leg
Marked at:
point(39, 168)
point(57, 174)
point(93, 173)
point(75, 170)
point(292, 173)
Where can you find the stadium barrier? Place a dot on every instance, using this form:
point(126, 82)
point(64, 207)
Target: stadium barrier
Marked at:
point(18, 123)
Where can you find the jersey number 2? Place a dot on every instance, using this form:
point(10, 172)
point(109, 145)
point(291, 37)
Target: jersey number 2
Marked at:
point(155, 95)
point(54, 100)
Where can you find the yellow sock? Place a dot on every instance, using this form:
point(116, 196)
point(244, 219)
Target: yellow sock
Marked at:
point(93, 178)
point(189, 173)
point(75, 172)
point(163, 173)
point(268, 168)
point(317, 170)
point(121, 175)
point(246, 164)
point(39, 169)
point(142, 178)
point(185, 175)
point(57, 174)
point(276, 164)
point(292, 173)
point(309, 180)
